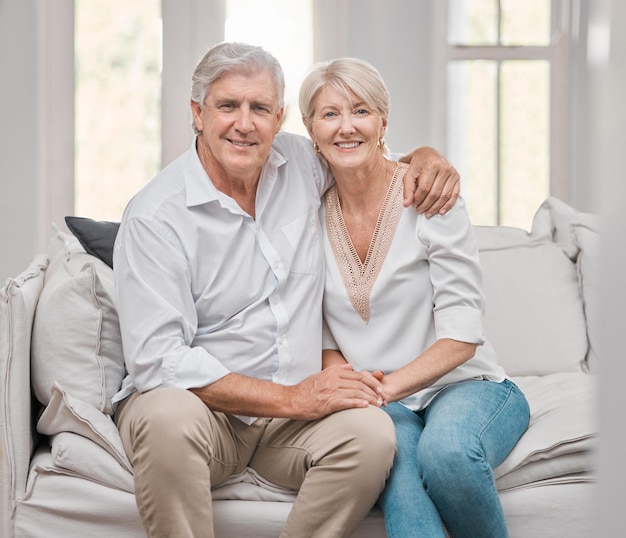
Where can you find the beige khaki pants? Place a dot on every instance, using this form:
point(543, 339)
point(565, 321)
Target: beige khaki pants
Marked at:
point(180, 449)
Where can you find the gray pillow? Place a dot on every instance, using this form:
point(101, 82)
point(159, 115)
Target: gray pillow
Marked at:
point(97, 237)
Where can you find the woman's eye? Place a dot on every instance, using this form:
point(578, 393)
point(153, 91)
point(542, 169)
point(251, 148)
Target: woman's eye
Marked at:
point(362, 112)
point(329, 115)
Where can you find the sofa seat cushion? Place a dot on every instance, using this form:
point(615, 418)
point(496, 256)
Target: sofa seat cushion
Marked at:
point(80, 456)
point(76, 338)
point(560, 441)
point(58, 503)
point(562, 435)
point(250, 486)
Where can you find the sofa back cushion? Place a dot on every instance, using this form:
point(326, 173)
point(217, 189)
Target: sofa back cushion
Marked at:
point(579, 235)
point(18, 299)
point(534, 314)
point(76, 338)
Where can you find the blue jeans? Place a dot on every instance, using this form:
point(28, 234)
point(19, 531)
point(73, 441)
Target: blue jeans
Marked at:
point(443, 471)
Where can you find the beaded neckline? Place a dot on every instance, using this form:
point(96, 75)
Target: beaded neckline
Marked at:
point(359, 277)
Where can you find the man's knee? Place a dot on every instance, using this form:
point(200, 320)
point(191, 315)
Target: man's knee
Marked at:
point(373, 435)
point(164, 415)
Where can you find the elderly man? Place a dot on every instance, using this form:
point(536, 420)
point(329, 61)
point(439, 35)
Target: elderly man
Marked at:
point(219, 276)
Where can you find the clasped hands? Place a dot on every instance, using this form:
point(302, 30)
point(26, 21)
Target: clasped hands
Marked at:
point(339, 387)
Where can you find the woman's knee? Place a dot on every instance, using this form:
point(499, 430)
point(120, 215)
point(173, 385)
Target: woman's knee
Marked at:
point(442, 457)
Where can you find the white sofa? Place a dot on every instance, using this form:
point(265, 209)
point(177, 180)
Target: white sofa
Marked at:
point(64, 473)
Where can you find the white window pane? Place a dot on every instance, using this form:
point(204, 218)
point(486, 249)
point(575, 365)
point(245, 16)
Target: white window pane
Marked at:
point(473, 22)
point(525, 22)
point(472, 133)
point(118, 99)
point(524, 140)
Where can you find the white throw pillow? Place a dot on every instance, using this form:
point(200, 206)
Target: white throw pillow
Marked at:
point(66, 413)
point(76, 337)
point(534, 314)
point(578, 233)
point(555, 218)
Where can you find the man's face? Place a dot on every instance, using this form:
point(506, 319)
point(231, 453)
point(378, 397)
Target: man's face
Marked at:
point(238, 122)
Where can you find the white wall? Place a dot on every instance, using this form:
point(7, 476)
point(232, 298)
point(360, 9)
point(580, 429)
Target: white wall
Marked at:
point(190, 28)
point(607, 162)
point(36, 126)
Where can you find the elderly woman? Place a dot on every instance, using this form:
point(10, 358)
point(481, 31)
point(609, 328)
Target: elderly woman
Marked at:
point(403, 300)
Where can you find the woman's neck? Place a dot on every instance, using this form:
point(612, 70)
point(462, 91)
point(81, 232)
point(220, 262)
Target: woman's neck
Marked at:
point(364, 187)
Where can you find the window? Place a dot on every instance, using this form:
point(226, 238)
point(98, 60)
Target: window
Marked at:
point(117, 102)
point(504, 62)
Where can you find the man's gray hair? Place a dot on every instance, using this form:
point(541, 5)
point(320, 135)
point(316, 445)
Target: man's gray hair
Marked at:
point(233, 57)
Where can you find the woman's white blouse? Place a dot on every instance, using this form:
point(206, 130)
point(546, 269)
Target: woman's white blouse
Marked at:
point(428, 286)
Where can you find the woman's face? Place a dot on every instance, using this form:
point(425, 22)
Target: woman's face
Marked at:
point(346, 130)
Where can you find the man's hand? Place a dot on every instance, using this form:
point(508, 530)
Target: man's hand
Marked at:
point(431, 184)
point(335, 388)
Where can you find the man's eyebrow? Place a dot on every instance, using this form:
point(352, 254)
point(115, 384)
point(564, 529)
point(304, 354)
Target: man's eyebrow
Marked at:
point(263, 103)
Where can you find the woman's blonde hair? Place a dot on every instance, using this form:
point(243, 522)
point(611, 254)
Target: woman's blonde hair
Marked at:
point(344, 75)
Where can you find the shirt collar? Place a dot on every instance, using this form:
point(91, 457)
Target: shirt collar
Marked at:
point(201, 190)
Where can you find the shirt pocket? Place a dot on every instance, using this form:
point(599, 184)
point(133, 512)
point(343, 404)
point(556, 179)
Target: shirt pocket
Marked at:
point(303, 235)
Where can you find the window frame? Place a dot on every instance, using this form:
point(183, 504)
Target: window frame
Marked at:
point(557, 54)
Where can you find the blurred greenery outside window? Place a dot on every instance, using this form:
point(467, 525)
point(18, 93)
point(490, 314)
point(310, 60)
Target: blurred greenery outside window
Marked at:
point(498, 122)
point(117, 102)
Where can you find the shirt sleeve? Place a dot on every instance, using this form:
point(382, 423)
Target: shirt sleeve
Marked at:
point(156, 308)
point(455, 274)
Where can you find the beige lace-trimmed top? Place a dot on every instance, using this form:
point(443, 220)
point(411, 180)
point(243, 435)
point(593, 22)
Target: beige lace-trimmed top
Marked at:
point(359, 277)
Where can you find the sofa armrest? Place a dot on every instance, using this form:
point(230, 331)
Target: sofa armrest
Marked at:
point(18, 302)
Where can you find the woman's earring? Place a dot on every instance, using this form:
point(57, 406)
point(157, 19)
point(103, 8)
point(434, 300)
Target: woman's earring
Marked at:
point(381, 142)
point(316, 148)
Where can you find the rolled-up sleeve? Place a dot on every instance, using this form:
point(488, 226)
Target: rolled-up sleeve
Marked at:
point(455, 274)
point(157, 313)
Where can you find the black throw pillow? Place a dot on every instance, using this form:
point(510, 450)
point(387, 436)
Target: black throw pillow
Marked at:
point(96, 236)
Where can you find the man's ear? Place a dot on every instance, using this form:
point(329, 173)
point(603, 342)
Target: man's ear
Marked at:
point(196, 112)
point(279, 118)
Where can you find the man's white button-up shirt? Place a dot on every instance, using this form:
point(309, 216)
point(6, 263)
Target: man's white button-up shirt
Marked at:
point(203, 289)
